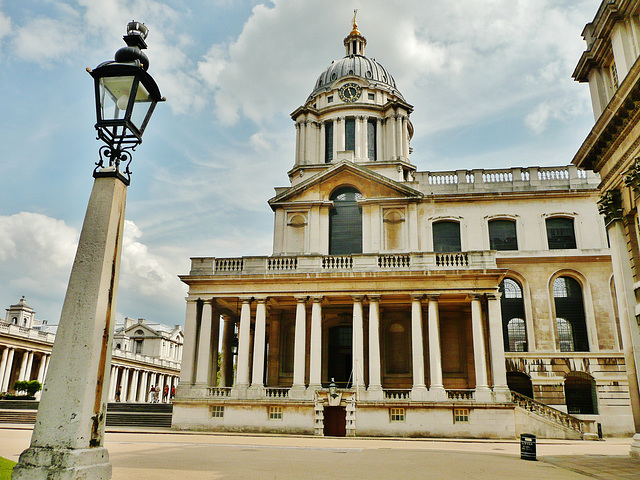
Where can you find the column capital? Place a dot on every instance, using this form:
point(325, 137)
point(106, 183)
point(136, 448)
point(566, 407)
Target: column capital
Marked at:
point(261, 299)
point(375, 298)
point(317, 299)
point(494, 295)
point(245, 299)
point(433, 297)
point(357, 298)
point(610, 206)
point(417, 296)
point(632, 177)
point(475, 296)
point(301, 298)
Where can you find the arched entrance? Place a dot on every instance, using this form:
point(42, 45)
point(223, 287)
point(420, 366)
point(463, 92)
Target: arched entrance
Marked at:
point(580, 393)
point(340, 355)
point(520, 383)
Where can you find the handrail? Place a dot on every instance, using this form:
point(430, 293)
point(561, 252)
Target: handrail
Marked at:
point(550, 413)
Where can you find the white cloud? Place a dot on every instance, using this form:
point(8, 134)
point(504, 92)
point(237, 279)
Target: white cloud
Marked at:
point(5, 25)
point(42, 40)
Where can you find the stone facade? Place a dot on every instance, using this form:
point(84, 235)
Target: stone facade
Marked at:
point(25, 350)
point(611, 66)
point(401, 302)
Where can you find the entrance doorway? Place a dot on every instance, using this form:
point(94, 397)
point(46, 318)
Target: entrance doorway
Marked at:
point(340, 355)
point(335, 421)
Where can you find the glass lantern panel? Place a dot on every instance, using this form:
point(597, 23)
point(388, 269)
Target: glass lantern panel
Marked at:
point(114, 96)
point(141, 106)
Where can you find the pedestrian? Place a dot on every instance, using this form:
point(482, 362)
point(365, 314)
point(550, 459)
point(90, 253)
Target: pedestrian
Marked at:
point(118, 393)
point(173, 392)
point(156, 394)
point(165, 393)
point(152, 393)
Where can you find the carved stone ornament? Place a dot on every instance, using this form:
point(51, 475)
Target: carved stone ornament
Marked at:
point(610, 206)
point(632, 178)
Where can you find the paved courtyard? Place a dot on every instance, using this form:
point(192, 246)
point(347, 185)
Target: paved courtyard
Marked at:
point(160, 455)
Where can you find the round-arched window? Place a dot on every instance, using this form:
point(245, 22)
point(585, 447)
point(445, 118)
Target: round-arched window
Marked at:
point(345, 222)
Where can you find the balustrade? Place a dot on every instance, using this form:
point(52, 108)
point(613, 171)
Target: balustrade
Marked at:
point(219, 392)
point(276, 392)
point(550, 413)
point(460, 395)
point(395, 394)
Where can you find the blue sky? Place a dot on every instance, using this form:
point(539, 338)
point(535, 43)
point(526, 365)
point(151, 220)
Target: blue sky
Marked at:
point(490, 82)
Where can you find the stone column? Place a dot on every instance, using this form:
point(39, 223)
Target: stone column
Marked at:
point(204, 345)
point(419, 390)
point(498, 366)
point(188, 362)
point(23, 366)
point(335, 138)
point(308, 144)
point(27, 373)
point(124, 384)
point(358, 137)
point(405, 137)
point(299, 349)
point(144, 387)
point(358, 343)
point(242, 368)
point(215, 340)
point(303, 142)
point(315, 362)
point(483, 394)
point(160, 386)
point(341, 134)
point(226, 360)
point(3, 366)
point(7, 370)
point(298, 145)
point(43, 361)
point(321, 144)
point(375, 381)
point(133, 395)
point(436, 387)
point(259, 344)
point(379, 152)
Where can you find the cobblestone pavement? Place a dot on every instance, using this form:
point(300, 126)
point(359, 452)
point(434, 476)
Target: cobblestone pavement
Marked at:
point(160, 455)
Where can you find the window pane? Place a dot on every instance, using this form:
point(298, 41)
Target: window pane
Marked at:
point(517, 335)
point(446, 237)
point(371, 140)
point(502, 235)
point(514, 329)
point(567, 295)
point(345, 223)
point(328, 142)
point(350, 134)
point(560, 233)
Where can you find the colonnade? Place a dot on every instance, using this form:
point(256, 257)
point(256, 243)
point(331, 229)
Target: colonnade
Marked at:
point(135, 384)
point(17, 364)
point(392, 138)
point(490, 371)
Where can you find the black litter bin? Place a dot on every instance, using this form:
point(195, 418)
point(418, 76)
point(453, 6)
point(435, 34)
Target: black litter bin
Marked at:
point(528, 446)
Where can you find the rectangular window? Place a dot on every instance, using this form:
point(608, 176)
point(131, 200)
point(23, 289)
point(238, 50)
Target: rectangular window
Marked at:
point(461, 415)
point(330, 99)
point(138, 346)
point(502, 235)
point(446, 237)
point(217, 411)
point(350, 134)
point(328, 142)
point(560, 233)
point(372, 137)
point(396, 414)
point(614, 75)
point(372, 96)
point(275, 413)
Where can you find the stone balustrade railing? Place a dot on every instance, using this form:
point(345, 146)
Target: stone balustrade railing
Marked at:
point(461, 394)
point(276, 392)
point(219, 392)
point(396, 394)
point(30, 333)
point(551, 414)
point(357, 263)
point(137, 357)
point(507, 179)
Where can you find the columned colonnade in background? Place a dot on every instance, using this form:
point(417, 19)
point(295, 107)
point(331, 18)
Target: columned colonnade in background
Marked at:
point(199, 367)
point(18, 364)
point(135, 384)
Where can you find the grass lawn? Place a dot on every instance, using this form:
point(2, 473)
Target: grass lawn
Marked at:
point(5, 468)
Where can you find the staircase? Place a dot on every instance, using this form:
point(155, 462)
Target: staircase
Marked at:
point(547, 422)
point(148, 415)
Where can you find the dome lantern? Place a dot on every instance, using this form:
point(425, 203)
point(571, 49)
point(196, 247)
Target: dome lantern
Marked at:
point(355, 42)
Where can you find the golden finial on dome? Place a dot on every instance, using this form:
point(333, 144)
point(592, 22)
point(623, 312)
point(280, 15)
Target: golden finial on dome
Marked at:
point(355, 25)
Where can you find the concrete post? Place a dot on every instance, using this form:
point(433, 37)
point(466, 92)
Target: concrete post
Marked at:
point(498, 367)
point(3, 366)
point(23, 366)
point(204, 345)
point(242, 368)
point(27, 373)
point(419, 390)
point(7, 370)
point(483, 394)
point(315, 362)
point(375, 382)
point(436, 387)
point(259, 341)
point(187, 366)
point(358, 343)
point(68, 435)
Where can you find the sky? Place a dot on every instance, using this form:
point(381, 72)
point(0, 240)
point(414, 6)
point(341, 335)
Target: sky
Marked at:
point(490, 82)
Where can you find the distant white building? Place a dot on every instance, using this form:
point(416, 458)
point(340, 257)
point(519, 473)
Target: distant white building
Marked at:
point(144, 354)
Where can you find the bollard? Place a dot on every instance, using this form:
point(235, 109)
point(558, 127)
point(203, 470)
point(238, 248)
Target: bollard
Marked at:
point(528, 446)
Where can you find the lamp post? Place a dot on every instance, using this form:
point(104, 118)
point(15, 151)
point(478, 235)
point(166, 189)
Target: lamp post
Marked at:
point(68, 436)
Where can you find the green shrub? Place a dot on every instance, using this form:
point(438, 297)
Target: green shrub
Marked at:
point(29, 387)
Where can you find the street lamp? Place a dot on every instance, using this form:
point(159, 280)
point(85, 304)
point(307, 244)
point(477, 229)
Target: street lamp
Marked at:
point(68, 436)
point(126, 96)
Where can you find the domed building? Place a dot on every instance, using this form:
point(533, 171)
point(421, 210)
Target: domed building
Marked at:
point(465, 303)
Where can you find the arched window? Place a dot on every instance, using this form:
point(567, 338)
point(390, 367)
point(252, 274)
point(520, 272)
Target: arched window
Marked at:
point(580, 393)
point(14, 320)
point(514, 328)
point(567, 295)
point(560, 233)
point(502, 235)
point(446, 236)
point(345, 222)
point(397, 348)
point(520, 383)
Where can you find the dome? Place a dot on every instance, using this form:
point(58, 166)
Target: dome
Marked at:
point(357, 65)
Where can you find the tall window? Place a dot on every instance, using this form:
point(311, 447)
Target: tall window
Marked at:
point(560, 233)
point(350, 134)
point(580, 394)
point(372, 138)
point(446, 237)
point(502, 235)
point(345, 222)
point(328, 142)
point(514, 330)
point(570, 318)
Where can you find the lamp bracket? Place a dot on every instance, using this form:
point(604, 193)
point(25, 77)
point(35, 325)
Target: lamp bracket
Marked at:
point(114, 157)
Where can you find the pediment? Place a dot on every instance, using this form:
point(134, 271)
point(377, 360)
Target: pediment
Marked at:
point(370, 184)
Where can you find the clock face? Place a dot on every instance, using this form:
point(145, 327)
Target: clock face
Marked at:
point(350, 92)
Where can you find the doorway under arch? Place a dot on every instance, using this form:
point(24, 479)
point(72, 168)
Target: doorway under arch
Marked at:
point(520, 383)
